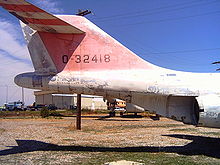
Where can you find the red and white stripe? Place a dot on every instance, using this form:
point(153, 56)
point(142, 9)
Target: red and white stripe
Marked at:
point(35, 15)
point(37, 18)
point(14, 2)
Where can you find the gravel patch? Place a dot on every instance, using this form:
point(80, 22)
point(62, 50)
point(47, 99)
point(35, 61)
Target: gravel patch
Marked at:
point(56, 141)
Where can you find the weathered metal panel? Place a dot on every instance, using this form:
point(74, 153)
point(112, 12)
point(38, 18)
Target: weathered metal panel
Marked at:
point(42, 62)
point(182, 109)
point(95, 63)
point(210, 110)
point(174, 107)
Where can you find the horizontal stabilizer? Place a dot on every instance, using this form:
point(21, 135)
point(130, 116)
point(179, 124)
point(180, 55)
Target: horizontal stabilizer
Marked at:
point(37, 18)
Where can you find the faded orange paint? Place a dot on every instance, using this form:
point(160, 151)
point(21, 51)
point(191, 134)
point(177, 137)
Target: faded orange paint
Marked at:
point(90, 51)
point(60, 45)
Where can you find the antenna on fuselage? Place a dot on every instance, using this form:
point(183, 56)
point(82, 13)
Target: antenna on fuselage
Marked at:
point(83, 12)
point(217, 62)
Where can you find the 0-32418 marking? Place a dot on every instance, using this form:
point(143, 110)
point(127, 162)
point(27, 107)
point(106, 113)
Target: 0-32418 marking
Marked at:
point(87, 58)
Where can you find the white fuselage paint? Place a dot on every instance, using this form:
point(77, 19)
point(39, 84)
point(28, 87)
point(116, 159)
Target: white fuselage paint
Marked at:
point(164, 82)
point(166, 92)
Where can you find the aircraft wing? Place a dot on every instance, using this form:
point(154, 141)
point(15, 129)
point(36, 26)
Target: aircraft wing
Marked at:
point(37, 18)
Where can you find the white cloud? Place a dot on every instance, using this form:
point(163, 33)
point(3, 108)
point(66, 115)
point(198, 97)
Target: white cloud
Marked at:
point(14, 60)
point(50, 6)
point(9, 41)
point(10, 68)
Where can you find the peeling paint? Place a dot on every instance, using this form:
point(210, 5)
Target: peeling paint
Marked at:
point(87, 60)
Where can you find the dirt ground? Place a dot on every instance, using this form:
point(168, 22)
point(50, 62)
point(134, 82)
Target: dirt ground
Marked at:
point(101, 140)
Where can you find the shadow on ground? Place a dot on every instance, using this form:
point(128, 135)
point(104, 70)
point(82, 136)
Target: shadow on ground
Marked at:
point(200, 145)
point(117, 118)
point(132, 116)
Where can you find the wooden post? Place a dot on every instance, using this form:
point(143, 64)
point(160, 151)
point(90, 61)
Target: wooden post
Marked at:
point(22, 99)
point(78, 116)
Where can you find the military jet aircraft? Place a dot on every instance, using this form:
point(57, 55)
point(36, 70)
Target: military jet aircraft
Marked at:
point(70, 54)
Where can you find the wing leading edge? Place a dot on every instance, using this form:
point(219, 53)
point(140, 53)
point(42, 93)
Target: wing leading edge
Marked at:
point(37, 18)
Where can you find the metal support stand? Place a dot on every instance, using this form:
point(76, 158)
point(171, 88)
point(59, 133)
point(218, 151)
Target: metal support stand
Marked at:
point(78, 116)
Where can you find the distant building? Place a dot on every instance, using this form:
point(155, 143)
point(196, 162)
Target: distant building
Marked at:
point(66, 101)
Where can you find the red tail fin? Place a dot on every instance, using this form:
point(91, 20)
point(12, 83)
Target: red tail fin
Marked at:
point(94, 50)
point(72, 42)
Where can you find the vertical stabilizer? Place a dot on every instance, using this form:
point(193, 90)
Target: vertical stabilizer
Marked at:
point(70, 43)
point(41, 60)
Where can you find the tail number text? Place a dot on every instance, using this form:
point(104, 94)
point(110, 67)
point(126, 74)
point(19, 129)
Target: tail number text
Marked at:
point(91, 59)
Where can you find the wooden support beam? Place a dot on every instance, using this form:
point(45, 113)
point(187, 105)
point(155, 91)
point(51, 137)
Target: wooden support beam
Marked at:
point(78, 116)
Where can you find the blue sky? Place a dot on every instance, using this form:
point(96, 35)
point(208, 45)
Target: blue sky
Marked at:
point(175, 34)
